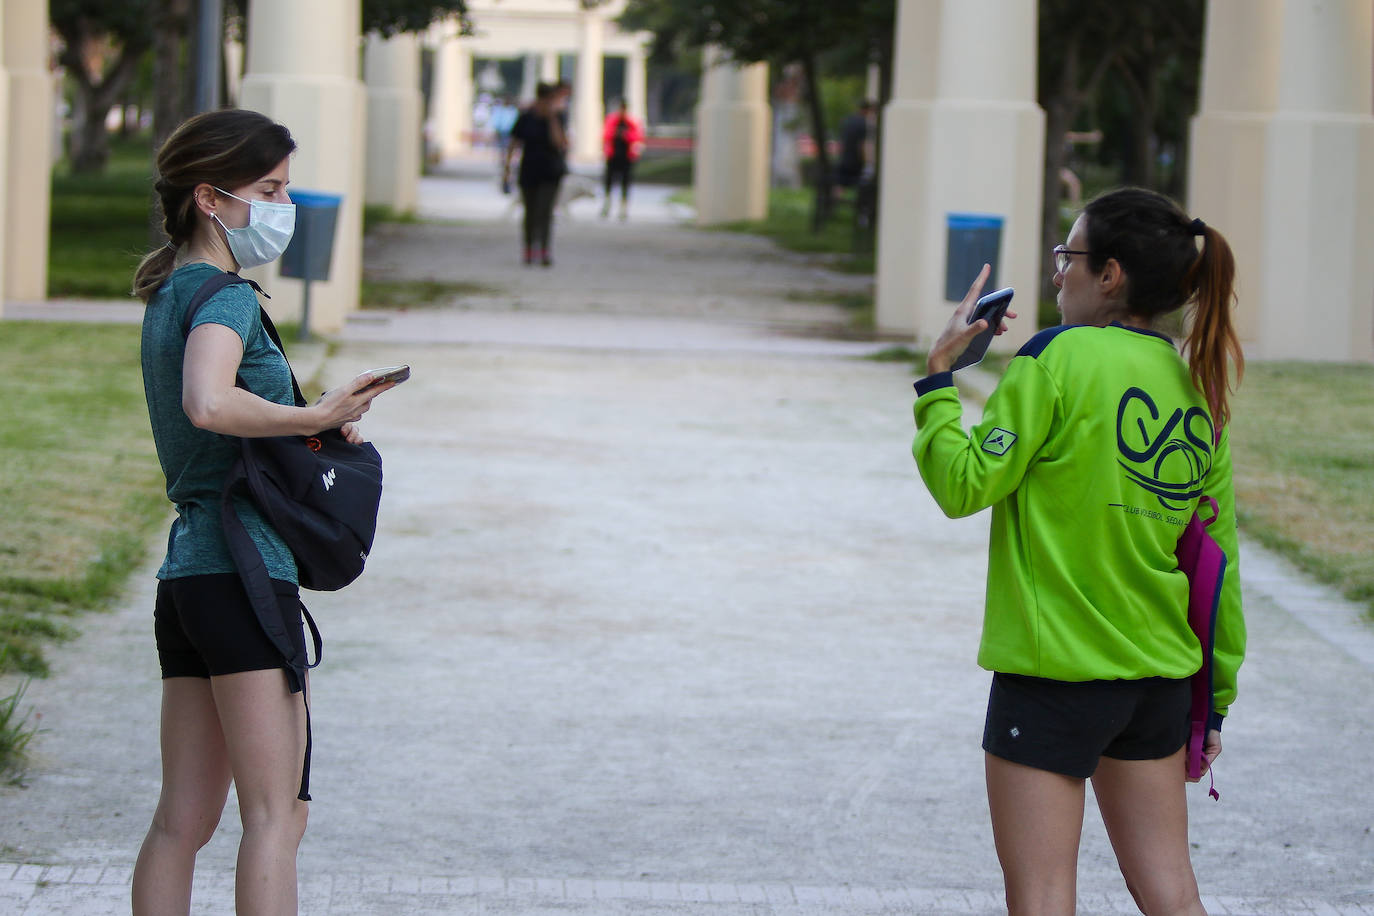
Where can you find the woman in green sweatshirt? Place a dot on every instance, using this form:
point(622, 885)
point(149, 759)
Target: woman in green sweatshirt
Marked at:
point(1093, 452)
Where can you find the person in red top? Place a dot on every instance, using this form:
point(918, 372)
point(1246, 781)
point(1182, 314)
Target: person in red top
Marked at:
point(622, 140)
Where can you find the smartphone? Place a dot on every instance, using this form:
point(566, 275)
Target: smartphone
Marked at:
point(992, 307)
point(395, 374)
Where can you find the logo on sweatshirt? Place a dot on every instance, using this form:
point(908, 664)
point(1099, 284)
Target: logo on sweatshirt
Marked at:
point(998, 441)
point(1167, 456)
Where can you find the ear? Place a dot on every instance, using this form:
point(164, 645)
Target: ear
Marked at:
point(206, 198)
point(1112, 280)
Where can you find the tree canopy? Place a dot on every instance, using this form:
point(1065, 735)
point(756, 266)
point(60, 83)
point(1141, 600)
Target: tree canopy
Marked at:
point(809, 33)
point(104, 43)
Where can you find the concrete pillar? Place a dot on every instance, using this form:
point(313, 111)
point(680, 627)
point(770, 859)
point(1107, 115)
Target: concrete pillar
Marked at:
point(391, 68)
point(450, 113)
point(28, 161)
point(637, 85)
point(589, 107)
point(312, 87)
point(963, 134)
point(529, 78)
point(548, 68)
point(730, 166)
point(4, 152)
point(1283, 164)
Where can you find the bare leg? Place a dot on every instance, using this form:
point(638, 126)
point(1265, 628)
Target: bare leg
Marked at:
point(1146, 812)
point(195, 784)
point(1037, 820)
point(264, 729)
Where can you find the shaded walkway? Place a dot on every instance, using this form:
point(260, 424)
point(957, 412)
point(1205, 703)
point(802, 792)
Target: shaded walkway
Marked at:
point(660, 620)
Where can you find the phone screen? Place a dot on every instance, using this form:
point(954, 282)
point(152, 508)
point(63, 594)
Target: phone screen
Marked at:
point(992, 307)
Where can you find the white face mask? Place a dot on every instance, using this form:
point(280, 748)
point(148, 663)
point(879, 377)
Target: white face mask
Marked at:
point(267, 234)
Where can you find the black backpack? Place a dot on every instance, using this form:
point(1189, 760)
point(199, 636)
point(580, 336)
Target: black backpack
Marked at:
point(320, 493)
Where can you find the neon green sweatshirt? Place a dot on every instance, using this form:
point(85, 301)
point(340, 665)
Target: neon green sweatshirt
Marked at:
point(1093, 452)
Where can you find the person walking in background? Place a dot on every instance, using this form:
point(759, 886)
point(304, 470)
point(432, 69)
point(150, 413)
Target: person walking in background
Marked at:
point(1094, 450)
point(538, 136)
point(856, 146)
point(622, 140)
point(502, 118)
point(229, 712)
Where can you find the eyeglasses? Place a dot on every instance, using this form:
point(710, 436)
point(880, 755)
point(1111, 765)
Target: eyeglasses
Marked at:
point(1061, 257)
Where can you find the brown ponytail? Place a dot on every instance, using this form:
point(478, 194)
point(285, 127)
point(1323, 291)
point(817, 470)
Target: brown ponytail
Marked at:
point(1211, 336)
point(1155, 243)
point(155, 267)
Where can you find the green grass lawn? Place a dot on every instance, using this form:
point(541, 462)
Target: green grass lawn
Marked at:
point(82, 488)
point(100, 224)
point(1304, 462)
point(788, 223)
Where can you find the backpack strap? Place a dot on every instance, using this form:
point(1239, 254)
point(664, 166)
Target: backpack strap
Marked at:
point(257, 583)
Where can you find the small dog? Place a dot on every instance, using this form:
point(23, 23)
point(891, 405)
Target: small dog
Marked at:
point(572, 188)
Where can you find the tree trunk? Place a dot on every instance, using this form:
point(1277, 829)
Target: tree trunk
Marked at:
point(1059, 114)
point(1140, 159)
point(169, 69)
point(821, 213)
point(90, 144)
point(1061, 108)
point(169, 91)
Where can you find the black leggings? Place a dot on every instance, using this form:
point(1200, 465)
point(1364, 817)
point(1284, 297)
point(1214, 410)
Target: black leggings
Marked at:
point(539, 200)
point(616, 169)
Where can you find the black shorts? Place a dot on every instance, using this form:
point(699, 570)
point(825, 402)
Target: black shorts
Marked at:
point(205, 626)
point(1064, 727)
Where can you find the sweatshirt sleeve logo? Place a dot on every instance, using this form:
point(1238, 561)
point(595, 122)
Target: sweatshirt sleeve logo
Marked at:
point(998, 441)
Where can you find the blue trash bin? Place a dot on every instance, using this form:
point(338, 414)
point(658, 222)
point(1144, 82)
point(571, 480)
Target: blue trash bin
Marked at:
point(311, 251)
point(974, 239)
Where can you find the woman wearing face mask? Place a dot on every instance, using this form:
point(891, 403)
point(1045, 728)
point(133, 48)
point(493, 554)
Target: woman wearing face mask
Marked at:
point(1093, 452)
point(227, 710)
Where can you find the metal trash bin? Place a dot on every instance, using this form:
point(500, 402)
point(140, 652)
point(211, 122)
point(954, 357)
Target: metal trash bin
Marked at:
point(311, 251)
point(974, 239)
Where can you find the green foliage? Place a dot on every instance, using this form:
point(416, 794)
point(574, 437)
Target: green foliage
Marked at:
point(410, 294)
point(669, 169)
point(83, 489)
point(128, 22)
point(15, 730)
point(100, 224)
point(776, 31)
point(392, 16)
point(789, 224)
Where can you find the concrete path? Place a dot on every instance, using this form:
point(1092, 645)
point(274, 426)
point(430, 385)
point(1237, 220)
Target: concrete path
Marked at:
point(660, 620)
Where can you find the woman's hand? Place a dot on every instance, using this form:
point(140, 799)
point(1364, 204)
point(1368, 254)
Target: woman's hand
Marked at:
point(958, 333)
point(1211, 750)
point(352, 434)
point(346, 404)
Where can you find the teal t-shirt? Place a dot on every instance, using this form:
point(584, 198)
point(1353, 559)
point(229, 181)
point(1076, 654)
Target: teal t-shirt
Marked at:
point(195, 461)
